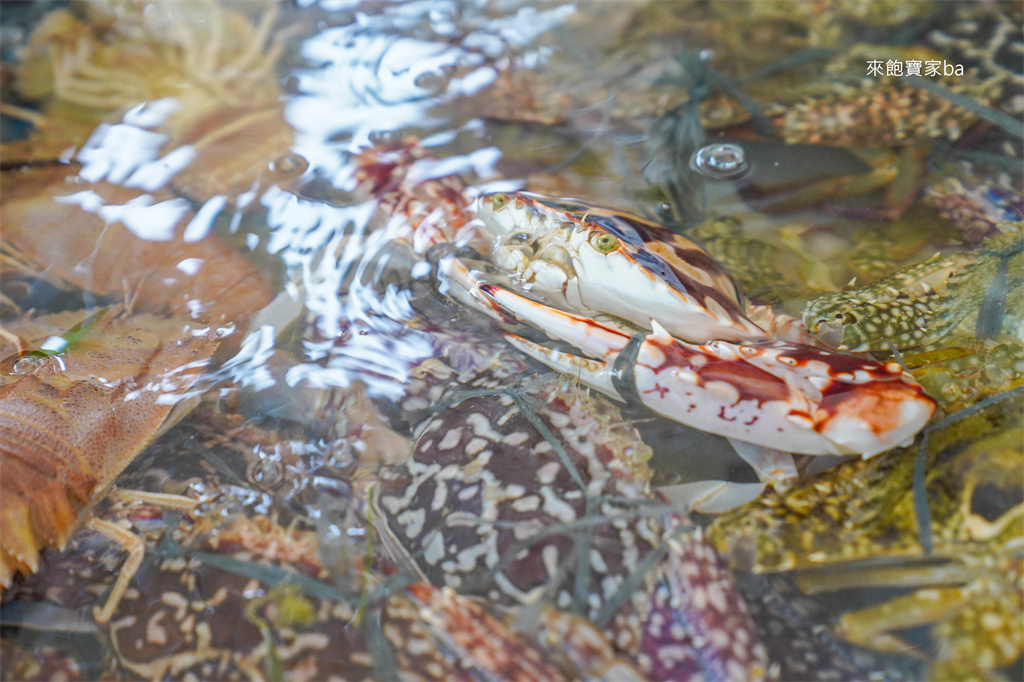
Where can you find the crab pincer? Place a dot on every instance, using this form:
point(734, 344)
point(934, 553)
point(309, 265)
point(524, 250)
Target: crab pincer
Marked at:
point(776, 394)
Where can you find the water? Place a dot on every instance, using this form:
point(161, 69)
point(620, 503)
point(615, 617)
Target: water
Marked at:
point(210, 161)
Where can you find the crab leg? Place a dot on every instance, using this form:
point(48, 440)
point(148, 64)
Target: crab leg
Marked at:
point(458, 282)
point(779, 395)
point(712, 497)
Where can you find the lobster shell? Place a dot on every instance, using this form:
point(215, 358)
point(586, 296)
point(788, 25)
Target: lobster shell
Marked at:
point(70, 423)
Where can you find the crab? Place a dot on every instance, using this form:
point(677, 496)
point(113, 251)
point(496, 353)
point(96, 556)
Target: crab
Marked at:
point(249, 554)
point(299, 605)
point(921, 303)
point(536, 496)
point(662, 322)
point(859, 526)
point(286, 621)
point(795, 628)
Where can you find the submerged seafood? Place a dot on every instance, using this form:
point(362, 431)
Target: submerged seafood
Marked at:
point(921, 303)
point(197, 81)
point(112, 242)
point(72, 421)
point(488, 522)
point(539, 495)
point(586, 258)
point(636, 288)
point(858, 526)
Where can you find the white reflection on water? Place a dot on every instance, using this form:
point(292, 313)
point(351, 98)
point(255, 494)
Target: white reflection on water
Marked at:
point(249, 366)
point(363, 84)
point(365, 78)
point(127, 153)
point(321, 244)
point(480, 161)
point(146, 220)
point(391, 69)
point(202, 221)
point(386, 71)
point(331, 253)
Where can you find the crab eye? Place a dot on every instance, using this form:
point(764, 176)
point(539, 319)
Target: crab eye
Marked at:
point(499, 201)
point(604, 242)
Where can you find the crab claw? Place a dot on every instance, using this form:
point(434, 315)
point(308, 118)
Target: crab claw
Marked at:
point(779, 395)
point(867, 419)
point(864, 407)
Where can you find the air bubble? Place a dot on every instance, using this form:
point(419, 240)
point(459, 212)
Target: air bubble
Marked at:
point(289, 164)
point(721, 161)
point(25, 362)
point(265, 472)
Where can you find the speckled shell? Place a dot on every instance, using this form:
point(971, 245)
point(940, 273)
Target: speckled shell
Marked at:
point(72, 423)
point(489, 506)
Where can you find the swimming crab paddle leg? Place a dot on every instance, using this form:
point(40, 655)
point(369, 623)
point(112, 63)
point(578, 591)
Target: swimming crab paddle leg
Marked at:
point(782, 396)
point(773, 467)
point(712, 496)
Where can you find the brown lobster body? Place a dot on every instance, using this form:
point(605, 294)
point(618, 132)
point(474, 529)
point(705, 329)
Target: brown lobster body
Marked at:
point(70, 423)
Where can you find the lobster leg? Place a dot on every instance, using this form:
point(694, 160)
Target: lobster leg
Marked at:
point(130, 542)
point(136, 549)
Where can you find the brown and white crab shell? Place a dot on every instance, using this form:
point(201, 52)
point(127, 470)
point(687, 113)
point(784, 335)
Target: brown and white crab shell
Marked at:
point(541, 493)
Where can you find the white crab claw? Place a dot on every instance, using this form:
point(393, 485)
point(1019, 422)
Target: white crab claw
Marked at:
point(593, 373)
point(593, 338)
point(456, 281)
point(778, 395)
